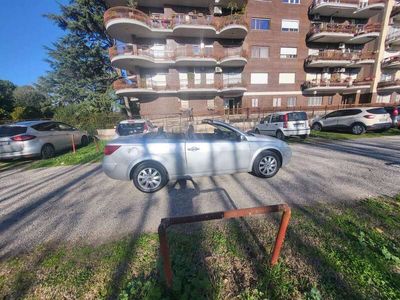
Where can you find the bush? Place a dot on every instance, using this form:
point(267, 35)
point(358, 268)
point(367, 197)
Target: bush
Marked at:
point(82, 117)
point(24, 113)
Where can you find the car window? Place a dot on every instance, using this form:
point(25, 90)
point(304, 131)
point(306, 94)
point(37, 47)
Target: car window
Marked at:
point(213, 132)
point(266, 119)
point(350, 112)
point(6, 131)
point(64, 127)
point(124, 129)
point(275, 119)
point(47, 126)
point(297, 116)
point(334, 114)
point(377, 111)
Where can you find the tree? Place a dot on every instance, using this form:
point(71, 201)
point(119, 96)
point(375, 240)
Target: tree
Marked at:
point(27, 95)
point(6, 98)
point(80, 67)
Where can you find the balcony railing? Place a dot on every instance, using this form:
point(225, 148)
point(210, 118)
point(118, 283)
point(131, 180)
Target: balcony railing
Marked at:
point(358, 3)
point(355, 29)
point(218, 84)
point(171, 53)
point(340, 83)
point(160, 21)
point(340, 55)
point(393, 36)
point(389, 83)
point(390, 60)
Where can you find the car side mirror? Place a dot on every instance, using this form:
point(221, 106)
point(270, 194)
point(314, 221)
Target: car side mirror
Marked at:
point(241, 138)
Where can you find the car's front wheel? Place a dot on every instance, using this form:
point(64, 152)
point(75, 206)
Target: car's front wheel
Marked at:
point(267, 164)
point(149, 177)
point(316, 127)
point(84, 141)
point(257, 131)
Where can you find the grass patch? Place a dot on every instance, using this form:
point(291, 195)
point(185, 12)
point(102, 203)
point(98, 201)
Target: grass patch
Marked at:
point(340, 251)
point(330, 135)
point(83, 155)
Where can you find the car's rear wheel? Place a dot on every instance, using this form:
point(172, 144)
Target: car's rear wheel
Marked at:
point(304, 136)
point(279, 135)
point(149, 177)
point(84, 141)
point(47, 151)
point(267, 164)
point(358, 129)
point(316, 127)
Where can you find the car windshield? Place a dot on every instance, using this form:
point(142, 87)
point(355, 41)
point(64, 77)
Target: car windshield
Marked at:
point(130, 128)
point(6, 131)
point(297, 116)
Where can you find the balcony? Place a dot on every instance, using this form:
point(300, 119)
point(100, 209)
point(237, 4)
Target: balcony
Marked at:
point(392, 62)
point(347, 8)
point(343, 33)
point(161, 3)
point(339, 59)
point(393, 40)
point(389, 86)
point(192, 88)
point(122, 23)
point(395, 14)
point(130, 56)
point(336, 86)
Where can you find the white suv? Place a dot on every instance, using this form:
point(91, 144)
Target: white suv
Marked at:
point(355, 120)
point(285, 124)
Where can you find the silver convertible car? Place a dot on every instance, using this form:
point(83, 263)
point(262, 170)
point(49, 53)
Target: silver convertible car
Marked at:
point(152, 159)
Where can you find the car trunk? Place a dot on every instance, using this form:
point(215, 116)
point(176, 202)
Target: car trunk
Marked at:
point(7, 145)
point(297, 121)
point(381, 115)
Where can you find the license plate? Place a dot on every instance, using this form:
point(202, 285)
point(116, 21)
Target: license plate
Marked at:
point(4, 143)
point(382, 120)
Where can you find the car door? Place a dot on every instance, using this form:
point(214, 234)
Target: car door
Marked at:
point(222, 152)
point(69, 134)
point(346, 118)
point(265, 125)
point(330, 120)
point(50, 133)
point(274, 124)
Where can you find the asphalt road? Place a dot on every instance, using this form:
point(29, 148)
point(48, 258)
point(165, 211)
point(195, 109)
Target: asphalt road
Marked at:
point(80, 203)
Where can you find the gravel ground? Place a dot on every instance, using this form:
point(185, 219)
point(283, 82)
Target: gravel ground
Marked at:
point(81, 204)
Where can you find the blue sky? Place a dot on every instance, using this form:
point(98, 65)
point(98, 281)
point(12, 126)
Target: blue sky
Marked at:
point(23, 33)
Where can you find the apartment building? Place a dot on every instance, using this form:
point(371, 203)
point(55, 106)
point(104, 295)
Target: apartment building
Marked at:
point(229, 56)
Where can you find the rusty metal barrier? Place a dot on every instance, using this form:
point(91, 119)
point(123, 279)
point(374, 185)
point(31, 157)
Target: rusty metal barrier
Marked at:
point(229, 214)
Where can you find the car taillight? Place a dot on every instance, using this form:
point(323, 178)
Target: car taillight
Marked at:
point(110, 149)
point(285, 120)
point(22, 138)
point(369, 116)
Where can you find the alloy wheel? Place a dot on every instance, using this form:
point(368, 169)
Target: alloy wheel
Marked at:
point(149, 179)
point(268, 165)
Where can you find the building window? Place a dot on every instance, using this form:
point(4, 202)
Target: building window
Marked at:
point(209, 78)
point(184, 104)
point(288, 52)
point(259, 78)
point(232, 79)
point(291, 1)
point(290, 25)
point(260, 24)
point(315, 101)
point(397, 98)
point(287, 78)
point(276, 102)
point(159, 80)
point(383, 99)
point(291, 101)
point(254, 102)
point(259, 52)
point(330, 100)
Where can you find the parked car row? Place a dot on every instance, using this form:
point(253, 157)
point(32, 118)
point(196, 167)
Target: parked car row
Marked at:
point(38, 139)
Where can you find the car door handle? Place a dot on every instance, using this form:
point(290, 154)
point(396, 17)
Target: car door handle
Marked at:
point(193, 148)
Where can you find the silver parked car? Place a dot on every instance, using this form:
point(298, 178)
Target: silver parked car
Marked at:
point(38, 139)
point(153, 159)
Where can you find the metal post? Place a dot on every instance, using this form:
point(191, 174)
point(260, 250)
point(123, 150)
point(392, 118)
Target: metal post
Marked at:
point(280, 237)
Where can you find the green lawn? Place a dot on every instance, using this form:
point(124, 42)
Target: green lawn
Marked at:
point(348, 136)
point(341, 251)
point(88, 154)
